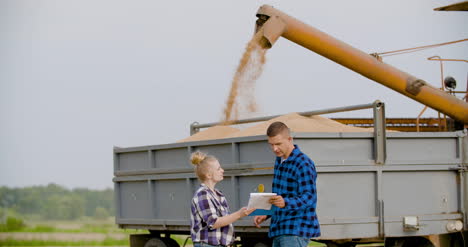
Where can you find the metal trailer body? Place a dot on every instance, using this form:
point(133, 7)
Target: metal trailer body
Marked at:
point(377, 186)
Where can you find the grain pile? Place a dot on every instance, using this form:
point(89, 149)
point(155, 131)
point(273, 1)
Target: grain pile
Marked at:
point(215, 132)
point(298, 123)
point(294, 121)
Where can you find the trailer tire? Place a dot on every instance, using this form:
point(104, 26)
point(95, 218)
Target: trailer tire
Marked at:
point(156, 242)
point(171, 242)
point(261, 244)
point(418, 242)
point(255, 242)
point(408, 242)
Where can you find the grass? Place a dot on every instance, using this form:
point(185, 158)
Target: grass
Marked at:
point(107, 228)
point(78, 226)
point(86, 228)
point(312, 243)
point(105, 242)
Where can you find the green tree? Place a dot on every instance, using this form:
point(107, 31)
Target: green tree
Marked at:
point(101, 213)
point(56, 202)
point(95, 199)
point(69, 207)
point(7, 197)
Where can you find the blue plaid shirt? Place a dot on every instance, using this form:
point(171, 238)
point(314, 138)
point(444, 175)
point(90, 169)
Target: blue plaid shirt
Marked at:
point(206, 207)
point(295, 180)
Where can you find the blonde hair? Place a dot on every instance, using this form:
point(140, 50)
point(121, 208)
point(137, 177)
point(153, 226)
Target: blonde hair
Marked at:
point(202, 163)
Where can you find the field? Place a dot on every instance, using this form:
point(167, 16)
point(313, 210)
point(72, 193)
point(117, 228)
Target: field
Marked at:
point(68, 233)
point(77, 233)
point(74, 233)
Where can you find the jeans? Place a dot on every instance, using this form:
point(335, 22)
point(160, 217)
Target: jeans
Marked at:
point(201, 244)
point(290, 241)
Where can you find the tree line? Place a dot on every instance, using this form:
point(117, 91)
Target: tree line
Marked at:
point(56, 202)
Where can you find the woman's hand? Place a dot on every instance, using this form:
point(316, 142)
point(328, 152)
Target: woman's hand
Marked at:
point(244, 212)
point(230, 218)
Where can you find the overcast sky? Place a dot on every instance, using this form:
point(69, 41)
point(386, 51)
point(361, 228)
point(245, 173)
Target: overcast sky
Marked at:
point(79, 77)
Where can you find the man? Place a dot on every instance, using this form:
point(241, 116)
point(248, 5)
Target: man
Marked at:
point(294, 221)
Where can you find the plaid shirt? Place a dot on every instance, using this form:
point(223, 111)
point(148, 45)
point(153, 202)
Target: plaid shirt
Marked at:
point(206, 209)
point(294, 179)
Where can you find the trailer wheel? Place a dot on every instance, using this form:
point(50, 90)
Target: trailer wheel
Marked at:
point(418, 242)
point(255, 242)
point(156, 242)
point(261, 244)
point(409, 242)
point(171, 242)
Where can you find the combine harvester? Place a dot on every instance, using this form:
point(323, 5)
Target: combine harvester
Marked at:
point(374, 185)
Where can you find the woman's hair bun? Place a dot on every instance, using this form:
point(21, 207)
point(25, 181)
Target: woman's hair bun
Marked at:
point(197, 157)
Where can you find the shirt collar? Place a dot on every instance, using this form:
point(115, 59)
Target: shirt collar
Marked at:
point(293, 154)
point(207, 188)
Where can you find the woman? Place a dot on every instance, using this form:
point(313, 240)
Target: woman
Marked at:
point(211, 221)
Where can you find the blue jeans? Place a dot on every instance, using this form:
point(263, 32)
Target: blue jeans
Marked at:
point(290, 241)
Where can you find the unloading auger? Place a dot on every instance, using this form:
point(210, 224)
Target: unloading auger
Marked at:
point(272, 23)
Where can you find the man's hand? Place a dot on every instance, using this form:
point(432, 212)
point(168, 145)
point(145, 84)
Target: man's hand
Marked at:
point(277, 201)
point(259, 219)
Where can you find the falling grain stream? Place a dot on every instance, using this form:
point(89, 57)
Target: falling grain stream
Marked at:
point(241, 97)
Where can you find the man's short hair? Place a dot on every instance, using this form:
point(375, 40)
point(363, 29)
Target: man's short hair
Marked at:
point(277, 128)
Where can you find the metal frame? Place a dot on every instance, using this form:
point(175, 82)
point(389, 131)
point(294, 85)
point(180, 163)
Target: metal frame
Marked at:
point(378, 116)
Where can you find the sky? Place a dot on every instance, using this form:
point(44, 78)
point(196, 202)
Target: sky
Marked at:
point(80, 77)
